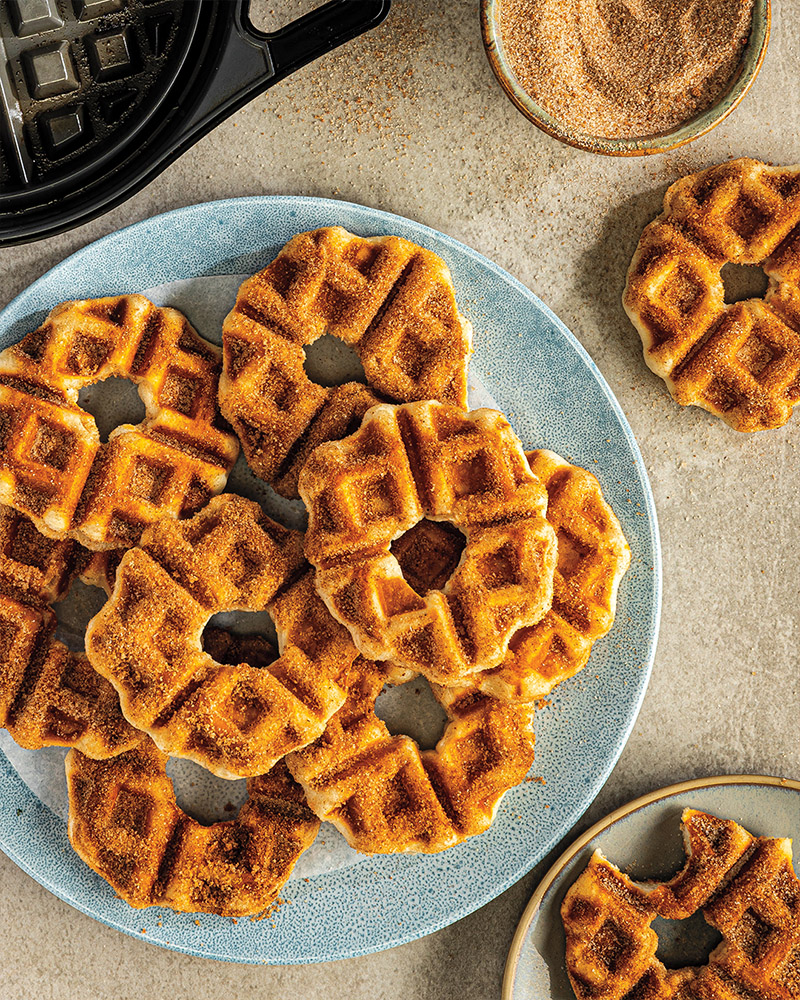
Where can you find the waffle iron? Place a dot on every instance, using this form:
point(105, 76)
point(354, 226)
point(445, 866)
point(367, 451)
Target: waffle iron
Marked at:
point(98, 96)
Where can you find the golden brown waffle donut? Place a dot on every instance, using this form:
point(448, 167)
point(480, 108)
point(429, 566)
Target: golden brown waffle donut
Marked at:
point(125, 824)
point(430, 460)
point(385, 795)
point(747, 889)
point(740, 361)
point(53, 467)
point(49, 696)
point(391, 300)
point(234, 719)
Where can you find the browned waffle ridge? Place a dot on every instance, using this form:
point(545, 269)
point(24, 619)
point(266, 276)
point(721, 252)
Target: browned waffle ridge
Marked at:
point(53, 467)
point(740, 361)
point(391, 300)
point(125, 824)
point(234, 719)
point(49, 696)
point(747, 889)
point(430, 460)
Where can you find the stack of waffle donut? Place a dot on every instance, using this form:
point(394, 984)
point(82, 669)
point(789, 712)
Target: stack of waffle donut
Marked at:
point(435, 546)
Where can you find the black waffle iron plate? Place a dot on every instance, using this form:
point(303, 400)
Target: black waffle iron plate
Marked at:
point(98, 96)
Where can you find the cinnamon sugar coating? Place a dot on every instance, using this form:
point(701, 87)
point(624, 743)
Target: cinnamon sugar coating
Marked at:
point(53, 466)
point(747, 889)
point(741, 360)
point(390, 299)
point(235, 719)
point(406, 463)
point(125, 824)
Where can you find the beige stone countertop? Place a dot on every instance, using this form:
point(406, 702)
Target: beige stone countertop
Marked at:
point(410, 119)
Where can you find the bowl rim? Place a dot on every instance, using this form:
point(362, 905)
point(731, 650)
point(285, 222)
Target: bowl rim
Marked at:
point(727, 102)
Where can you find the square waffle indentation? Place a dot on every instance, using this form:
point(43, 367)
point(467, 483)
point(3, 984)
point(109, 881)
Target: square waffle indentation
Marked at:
point(500, 568)
point(111, 55)
point(379, 499)
point(65, 130)
point(87, 355)
point(242, 564)
point(752, 935)
point(722, 395)
point(336, 305)
point(131, 812)
point(571, 553)
point(80, 678)
point(51, 71)
point(30, 17)
point(181, 391)
point(52, 446)
point(63, 726)
point(149, 480)
point(613, 946)
point(246, 708)
point(681, 291)
point(362, 256)
point(746, 217)
point(756, 354)
point(472, 475)
point(278, 387)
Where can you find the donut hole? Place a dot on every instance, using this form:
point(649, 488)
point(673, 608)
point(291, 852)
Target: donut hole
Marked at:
point(744, 281)
point(428, 554)
point(411, 709)
point(329, 361)
point(75, 611)
point(684, 943)
point(241, 637)
point(202, 795)
point(112, 402)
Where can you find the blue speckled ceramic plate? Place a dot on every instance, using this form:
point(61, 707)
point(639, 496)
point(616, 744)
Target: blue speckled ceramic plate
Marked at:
point(542, 378)
point(643, 838)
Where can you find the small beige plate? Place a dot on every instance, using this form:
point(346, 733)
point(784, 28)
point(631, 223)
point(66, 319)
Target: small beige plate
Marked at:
point(643, 838)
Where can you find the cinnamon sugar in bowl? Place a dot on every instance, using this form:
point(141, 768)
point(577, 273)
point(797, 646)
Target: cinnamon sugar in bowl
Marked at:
point(626, 78)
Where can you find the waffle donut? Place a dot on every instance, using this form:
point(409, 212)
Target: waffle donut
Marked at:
point(53, 466)
point(234, 719)
point(125, 824)
point(593, 556)
point(430, 460)
point(747, 890)
point(391, 300)
point(385, 795)
point(49, 695)
point(740, 361)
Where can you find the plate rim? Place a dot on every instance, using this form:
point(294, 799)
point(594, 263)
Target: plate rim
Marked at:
point(13, 313)
point(552, 873)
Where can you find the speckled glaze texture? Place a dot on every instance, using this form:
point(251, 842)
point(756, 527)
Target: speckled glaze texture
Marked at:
point(554, 397)
point(645, 842)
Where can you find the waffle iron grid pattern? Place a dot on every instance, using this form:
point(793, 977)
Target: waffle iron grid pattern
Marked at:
point(73, 73)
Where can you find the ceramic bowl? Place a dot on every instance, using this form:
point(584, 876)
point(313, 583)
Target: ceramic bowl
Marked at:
point(742, 81)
